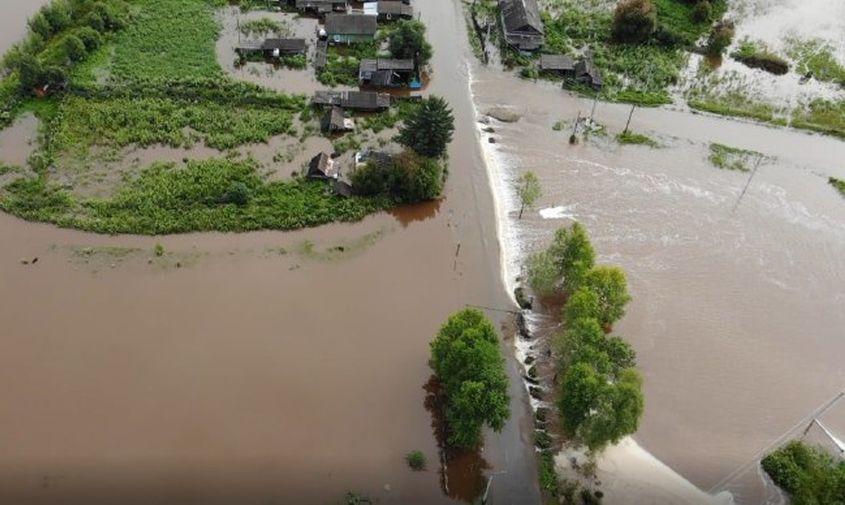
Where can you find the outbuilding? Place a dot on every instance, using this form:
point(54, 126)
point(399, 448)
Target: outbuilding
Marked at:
point(350, 28)
point(386, 73)
point(557, 64)
point(522, 25)
point(322, 167)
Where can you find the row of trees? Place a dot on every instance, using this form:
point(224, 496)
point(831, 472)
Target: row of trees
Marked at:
point(416, 174)
point(808, 474)
point(466, 359)
point(61, 34)
point(601, 397)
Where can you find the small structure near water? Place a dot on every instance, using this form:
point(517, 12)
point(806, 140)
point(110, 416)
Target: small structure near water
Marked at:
point(367, 101)
point(522, 25)
point(386, 73)
point(335, 121)
point(320, 7)
point(350, 28)
point(322, 167)
point(392, 10)
point(559, 64)
point(273, 48)
point(587, 73)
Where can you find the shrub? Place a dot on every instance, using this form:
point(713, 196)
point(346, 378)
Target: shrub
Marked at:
point(73, 48)
point(542, 273)
point(634, 20)
point(90, 37)
point(416, 460)
point(702, 11)
point(720, 37)
point(809, 475)
point(238, 193)
point(407, 177)
point(158, 250)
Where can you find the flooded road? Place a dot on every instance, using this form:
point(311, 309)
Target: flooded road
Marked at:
point(737, 314)
point(249, 368)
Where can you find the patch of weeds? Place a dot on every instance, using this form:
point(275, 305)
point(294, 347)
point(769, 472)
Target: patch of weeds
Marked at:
point(730, 158)
point(5, 168)
point(816, 57)
point(558, 126)
point(837, 184)
point(158, 250)
point(630, 137)
point(416, 460)
point(755, 54)
point(264, 26)
point(349, 142)
point(345, 249)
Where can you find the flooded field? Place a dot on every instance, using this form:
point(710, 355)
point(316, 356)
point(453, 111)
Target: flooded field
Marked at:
point(736, 316)
point(250, 368)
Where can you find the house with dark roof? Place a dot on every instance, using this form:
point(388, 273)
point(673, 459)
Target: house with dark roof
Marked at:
point(274, 48)
point(588, 73)
point(321, 7)
point(350, 28)
point(390, 10)
point(323, 167)
point(336, 121)
point(521, 24)
point(367, 101)
point(386, 73)
point(559, 64)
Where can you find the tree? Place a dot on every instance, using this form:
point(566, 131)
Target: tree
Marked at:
point(30, 72)
point(582, 304)
point(542, 273)
point(581, 388)
point(429, 128)
point(74, 48)
point(90, 37)
point(57, 15)
point(465, 357)
point(573, 254)
point(40, 25)
point(634, 20)
point(529, 190)
point(408, 42)
point(808, 474)
point(407, 177)
point(610, 285)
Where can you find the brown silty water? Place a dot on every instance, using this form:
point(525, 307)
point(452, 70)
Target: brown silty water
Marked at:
point(250, 368)
point(737, 314)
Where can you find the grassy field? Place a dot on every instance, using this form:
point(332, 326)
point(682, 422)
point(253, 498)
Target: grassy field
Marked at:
point(221, 194)
point(731, 158)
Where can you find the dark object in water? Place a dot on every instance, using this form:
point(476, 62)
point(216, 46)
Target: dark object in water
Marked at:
point(522, 326)
point(806, 77)
point(573, 139)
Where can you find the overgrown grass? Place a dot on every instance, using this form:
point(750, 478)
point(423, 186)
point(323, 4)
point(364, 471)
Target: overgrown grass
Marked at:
point(838, 185)
point(168, 39)
point(730, 158)
point(264, 26)
point(630, 137)
point(198, 197)
point(817, 58)
point(755, 54)
point(343, 61)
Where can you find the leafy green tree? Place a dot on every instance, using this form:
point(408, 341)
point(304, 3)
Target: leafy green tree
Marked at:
point(808, 474)
point(634, 20)
point(40, 25)
point(529, 190)
point(620, 352)
point(57, 15)
point(542, 273)
point(408, 177)
point(617, 412)
point(573, 254)
point(408, 41)
point(90, 37)
point(429, 128)
point(581, 390)
point(580, 333)
point(610, 285)
point(30, 72)
point(583, 303)
point(465, 357)
point(73, 48)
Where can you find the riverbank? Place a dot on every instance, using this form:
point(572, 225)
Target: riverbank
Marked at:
point(258, 371)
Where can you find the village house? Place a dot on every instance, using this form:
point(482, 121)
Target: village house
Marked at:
point(336, 121)
point(521, 24)
point(350, 28)
point(558, 64)
point(391, 10)
point(386, 73)
point(273, 48)
point(323, 167)
point(587, 73)
point(320, 7)
point(364, 101)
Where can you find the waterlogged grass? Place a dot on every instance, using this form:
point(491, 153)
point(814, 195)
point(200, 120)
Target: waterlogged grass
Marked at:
point(817, 58)
point(630, 137)
point(264, 26)
point(823, 116)
point(342, 63)
point(147, 121)
point(343, 250)
point(731, 158)
point(167, 39)
point(209, 195)
point(838, 185)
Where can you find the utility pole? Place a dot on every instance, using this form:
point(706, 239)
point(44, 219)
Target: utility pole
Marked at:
point(753, 172)
point(593, 112)
point(630, 115)
point(572, 138)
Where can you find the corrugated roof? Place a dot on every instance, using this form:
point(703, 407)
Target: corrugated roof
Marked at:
point(521, 15)
point(556, 62)
point(395, 8)
point(351, 24)
point(285, 45)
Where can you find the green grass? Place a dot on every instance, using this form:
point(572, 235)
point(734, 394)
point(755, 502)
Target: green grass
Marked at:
point(342, 63)
point(756, 55)
point(636, 138)
point(838, 185)
point(816, 57)
point(264, 26)
point(168, 199)
point(730, 158)
point(167, 39)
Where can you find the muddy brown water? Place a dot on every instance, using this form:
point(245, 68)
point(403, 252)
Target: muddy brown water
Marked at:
point(258, 372)
point(737, 314)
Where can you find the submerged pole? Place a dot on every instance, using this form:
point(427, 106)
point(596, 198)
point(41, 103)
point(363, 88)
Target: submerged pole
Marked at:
point(748, 183)
point(630, 115)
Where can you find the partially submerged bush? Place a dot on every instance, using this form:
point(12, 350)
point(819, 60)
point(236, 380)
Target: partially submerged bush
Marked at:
point(720, 37)
point(634, 20)
point(416, 460)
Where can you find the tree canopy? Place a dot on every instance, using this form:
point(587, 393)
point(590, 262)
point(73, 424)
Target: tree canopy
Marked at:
point(634, 20)
point(465, 357)
point(408, 42)
point(573, 254)
point(429, 128)
point(808, 474)
point(611, 288)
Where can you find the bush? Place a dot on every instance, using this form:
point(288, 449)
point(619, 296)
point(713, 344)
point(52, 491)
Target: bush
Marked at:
point(416, 460)
point(74, 48)
point(407, 177)
point(90, 37)
point(702, 11)
point(634, 20)
point(809, 475)
point(429, 128)
point(720, 38)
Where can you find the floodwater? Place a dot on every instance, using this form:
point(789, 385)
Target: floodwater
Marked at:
point(737, 314)
point(251, 368)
